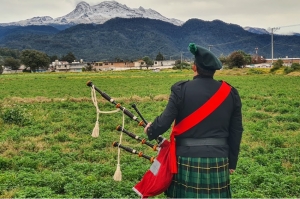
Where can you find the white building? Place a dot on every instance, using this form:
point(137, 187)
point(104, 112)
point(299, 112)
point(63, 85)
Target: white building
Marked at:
point(64, 66)
point(164, 64)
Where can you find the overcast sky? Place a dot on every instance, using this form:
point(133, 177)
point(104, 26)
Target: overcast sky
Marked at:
point(254, 13)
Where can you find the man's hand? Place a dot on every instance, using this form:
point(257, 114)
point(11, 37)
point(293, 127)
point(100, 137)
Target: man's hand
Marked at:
point(147, 126)
point(231, 171)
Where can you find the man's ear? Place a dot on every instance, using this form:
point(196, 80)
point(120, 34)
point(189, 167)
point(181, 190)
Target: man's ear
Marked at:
point(194, 68)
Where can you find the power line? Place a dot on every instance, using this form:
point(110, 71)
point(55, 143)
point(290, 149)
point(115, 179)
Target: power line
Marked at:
point(265, 46)
point(247, 38)
point(285, 44)
point(288, 26)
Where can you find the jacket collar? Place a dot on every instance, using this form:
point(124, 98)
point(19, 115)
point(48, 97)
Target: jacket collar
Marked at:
point(201, 76)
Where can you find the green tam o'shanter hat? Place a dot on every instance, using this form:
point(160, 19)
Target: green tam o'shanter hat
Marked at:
point(204, 58)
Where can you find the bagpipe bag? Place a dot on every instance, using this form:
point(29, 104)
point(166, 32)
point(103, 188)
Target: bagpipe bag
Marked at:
point(159, 177)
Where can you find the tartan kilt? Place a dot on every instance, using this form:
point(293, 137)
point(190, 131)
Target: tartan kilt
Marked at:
point(200, 178)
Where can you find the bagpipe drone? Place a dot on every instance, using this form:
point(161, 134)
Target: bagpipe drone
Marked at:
point(158, 178)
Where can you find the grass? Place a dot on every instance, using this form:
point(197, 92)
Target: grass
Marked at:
point(46, 148)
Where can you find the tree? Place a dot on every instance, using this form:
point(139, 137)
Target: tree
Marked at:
point(236, 59)
point(35, 59)
point(12, 62)
point(159, 57)
point(1, 69)
point(89, 67)
point(223, 59)
point(6, 52)
point(148, 61)
point(69, 57)
point(246, 56)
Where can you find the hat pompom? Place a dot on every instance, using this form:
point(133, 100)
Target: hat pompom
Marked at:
point(193, 48)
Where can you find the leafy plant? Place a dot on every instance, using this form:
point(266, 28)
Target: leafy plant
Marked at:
point(14, 116)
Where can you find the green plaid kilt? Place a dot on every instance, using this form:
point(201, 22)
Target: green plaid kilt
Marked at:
point(200, 178)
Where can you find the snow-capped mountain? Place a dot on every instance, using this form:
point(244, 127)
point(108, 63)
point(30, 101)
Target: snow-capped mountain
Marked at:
point(33, 21)
point(264, 31)
point(97, 14)
point(256, 30)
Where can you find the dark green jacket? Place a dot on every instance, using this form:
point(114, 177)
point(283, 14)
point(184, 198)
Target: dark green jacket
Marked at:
point(224, 122)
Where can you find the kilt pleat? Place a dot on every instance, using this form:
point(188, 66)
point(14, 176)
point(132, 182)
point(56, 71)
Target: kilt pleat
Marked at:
point(200, 178)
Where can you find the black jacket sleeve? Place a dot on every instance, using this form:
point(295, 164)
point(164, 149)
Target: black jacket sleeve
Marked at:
point(163, 122)
point(235, 130)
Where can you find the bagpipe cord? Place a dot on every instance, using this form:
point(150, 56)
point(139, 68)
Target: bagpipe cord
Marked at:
point(118, 173)
point(95, 133)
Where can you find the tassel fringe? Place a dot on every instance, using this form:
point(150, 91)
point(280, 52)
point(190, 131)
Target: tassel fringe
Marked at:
point(96, 130)
point(118, 173)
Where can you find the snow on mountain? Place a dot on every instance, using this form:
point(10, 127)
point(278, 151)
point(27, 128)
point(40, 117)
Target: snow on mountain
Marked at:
point(32, 21)
point(264, 31)
point(97, 14)
point(256, 30)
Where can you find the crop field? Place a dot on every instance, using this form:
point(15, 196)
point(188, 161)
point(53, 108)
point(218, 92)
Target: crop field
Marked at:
point(46, 122)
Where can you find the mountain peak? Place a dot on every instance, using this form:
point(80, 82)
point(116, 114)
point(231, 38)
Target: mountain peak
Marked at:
point(97, 14)
point(141, 9)
point(112, 3)
point(82, 7)
point(44, 18)
point(82, 3)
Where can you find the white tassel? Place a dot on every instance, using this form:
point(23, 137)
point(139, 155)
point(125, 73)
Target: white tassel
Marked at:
point(118, 173)
point(96, 130)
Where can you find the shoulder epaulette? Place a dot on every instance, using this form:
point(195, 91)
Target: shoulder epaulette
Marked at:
point(180, 83)
point(177, 86)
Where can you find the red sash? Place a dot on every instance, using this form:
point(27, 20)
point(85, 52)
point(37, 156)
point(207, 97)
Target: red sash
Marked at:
point(196, 117)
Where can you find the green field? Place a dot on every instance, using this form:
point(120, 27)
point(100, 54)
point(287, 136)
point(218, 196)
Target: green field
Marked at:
point(47, 151)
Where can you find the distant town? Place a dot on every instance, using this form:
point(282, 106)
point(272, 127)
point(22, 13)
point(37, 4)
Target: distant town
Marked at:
point(81, 66)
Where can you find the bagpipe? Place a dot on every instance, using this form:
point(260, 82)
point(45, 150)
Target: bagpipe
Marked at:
point(158, 178)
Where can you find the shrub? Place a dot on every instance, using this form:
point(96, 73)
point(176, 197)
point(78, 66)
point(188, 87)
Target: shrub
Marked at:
point(14, 116)
point(62, 137)
point(182, 65)
point(253, 71)
point(295, 66)
point(288, 70)
point(277, 65)
point(277, 141)
point(35, 192)
point(26, 162)
point(5, 163)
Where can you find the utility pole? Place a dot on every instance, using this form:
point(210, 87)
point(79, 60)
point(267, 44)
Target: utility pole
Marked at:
point(180, 57)
point(181, 61)
point(256, 49)
point(256, 56)
point(272, 32)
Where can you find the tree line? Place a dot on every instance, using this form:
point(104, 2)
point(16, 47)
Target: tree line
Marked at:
point(32, 59)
